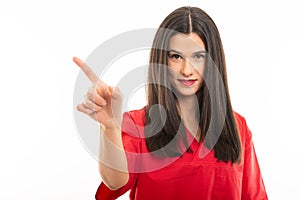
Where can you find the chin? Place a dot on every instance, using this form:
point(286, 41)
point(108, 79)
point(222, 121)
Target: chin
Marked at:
point(185, 92)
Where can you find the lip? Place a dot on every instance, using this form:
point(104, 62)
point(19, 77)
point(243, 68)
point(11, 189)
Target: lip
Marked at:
point(187, 82)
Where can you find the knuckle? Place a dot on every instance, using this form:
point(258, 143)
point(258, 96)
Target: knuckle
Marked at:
point(90, 95)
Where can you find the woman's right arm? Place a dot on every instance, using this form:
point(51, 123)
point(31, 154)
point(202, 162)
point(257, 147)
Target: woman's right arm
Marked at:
point(103, 104)
point(112, 162)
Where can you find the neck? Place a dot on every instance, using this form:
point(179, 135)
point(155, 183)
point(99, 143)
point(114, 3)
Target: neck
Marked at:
point(188, 108)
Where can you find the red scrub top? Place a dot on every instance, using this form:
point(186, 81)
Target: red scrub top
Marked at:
point(188, 176)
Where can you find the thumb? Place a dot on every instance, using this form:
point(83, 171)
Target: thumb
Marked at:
point(110, 90)
point(115, 93)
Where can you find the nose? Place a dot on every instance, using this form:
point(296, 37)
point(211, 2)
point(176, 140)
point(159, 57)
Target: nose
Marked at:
point(187, 68)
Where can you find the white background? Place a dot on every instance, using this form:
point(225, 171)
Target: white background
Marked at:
point(41, 156)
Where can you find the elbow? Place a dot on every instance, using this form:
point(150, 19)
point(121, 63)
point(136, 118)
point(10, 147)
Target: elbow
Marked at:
point(114, 179)
point(112, 186)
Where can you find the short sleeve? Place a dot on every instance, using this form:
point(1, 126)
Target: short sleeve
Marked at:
point(131, 143)
point(252, 183)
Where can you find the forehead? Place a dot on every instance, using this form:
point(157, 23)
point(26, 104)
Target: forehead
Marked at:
point(186, 43)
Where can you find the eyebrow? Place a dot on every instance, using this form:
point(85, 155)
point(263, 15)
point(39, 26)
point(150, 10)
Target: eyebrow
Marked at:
point(195, 53)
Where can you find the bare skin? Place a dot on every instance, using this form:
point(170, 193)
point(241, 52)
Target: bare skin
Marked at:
point(186, 65)
point(103, 104)
point(98, 105)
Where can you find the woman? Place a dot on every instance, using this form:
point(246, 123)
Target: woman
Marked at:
point(187, 142)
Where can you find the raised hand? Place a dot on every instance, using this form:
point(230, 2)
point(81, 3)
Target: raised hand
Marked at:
point(102, 102)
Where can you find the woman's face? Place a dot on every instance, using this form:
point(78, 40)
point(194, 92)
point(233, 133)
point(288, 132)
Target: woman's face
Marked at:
point(186, 62)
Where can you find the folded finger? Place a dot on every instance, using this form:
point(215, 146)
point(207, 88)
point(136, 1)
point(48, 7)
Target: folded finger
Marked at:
point(91, 105)
point(82, 108)
point(95, 97)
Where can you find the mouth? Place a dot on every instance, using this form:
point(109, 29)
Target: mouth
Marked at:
point(187, 82)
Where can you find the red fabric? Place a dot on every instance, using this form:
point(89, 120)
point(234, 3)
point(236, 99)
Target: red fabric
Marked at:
point(188, 177)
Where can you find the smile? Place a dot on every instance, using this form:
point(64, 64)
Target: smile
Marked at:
point(187, 82)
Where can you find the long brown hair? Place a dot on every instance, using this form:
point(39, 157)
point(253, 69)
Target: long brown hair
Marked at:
point(161, 132)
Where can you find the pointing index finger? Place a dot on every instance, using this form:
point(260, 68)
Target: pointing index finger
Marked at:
point(86, 69)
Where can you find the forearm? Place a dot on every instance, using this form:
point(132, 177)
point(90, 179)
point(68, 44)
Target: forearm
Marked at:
point(112, 158)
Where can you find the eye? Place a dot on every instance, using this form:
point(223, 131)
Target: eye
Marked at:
point(175, 56)
point(199, 56)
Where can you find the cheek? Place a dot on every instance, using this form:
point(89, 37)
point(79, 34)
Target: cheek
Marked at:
point(171, 69)
point(171, 74)
point(174, 66)
point(200, 70)
point(174, 70)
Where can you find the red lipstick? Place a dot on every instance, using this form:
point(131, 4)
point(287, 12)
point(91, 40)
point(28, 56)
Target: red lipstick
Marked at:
point(187, 82)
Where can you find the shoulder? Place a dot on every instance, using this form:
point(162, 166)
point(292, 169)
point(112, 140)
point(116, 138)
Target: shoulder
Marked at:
point(242, 126)
point(240, 120)
point(133, 130)
point(133, 122)
point(138, 116)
